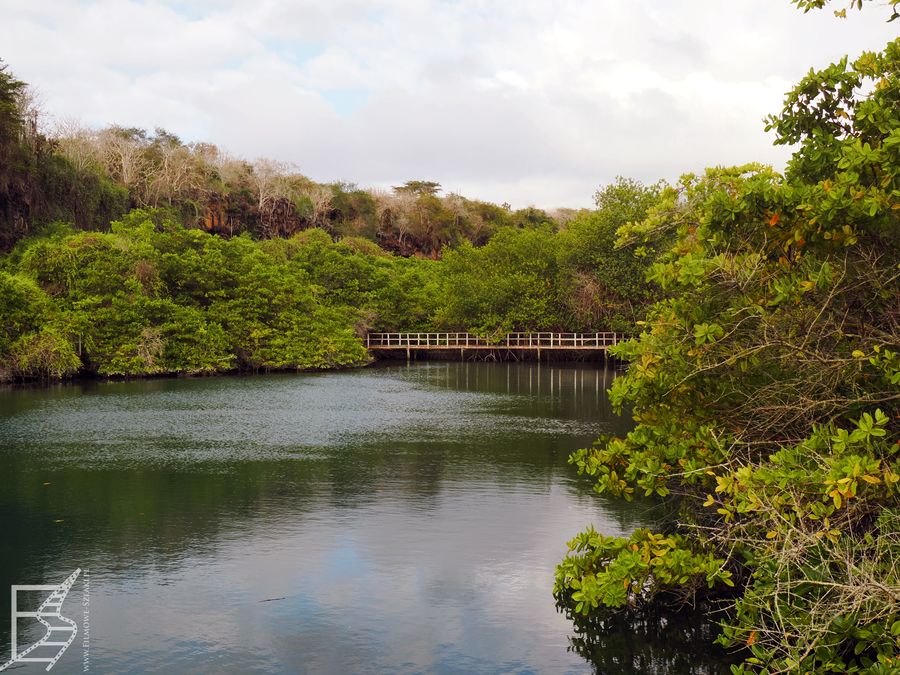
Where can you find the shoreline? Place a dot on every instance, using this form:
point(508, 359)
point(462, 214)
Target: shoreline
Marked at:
point(436, 357)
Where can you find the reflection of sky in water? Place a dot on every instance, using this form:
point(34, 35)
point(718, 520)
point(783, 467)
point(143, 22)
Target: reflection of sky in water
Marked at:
point(387, 588)
point(389, 520)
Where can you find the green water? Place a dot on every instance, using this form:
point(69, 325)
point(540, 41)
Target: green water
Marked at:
point(394, 519)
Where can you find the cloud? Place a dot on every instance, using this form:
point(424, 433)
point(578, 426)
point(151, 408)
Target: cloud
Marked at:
point(527, 102)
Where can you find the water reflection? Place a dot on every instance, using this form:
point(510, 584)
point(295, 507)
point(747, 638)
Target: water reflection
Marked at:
point(642, 642)
point(401, 519)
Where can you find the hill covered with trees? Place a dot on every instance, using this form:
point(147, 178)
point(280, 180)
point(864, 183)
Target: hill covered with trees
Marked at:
point(131, 253)
point(89, 177)
point(134, 254)
point(151, 296)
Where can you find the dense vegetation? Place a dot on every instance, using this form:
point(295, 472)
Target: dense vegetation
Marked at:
point(135, 254)
point(765, 389)
point(152, 296)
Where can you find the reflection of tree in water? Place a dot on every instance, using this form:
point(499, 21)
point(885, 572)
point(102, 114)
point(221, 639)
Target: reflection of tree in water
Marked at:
point(649, 641)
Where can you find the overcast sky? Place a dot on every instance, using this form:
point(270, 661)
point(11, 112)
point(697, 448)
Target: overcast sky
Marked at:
point(526, 101)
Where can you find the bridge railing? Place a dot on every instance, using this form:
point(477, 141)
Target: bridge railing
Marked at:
point(563, 340)
point(537, 340)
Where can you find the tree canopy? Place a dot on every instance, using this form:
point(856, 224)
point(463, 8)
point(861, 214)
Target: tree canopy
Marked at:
point(765, 388)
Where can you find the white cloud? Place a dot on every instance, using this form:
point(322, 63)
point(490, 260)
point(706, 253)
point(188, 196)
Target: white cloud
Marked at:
point(534, 101)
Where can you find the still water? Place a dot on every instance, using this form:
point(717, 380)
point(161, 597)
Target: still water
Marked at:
point(402, 519)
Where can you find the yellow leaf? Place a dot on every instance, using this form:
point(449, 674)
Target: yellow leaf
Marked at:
point(771, 535)
point(858, 354)
point(710, 500)
point(871, 479)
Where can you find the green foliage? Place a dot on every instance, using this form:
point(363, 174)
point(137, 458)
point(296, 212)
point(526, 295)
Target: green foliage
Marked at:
point(354, 212)
point(603, 286)
point(31, 343)
point(407, 297)
point(420, 188)
point(765, 389)
point(15, 161)
point(612, 572)
point(10, 118)
point(47, 354)
point(152, 297)
point(530, 217)
point(87, 198)
point(23, 308)
point(505, 285)
point(807, 5)
point(535, 278)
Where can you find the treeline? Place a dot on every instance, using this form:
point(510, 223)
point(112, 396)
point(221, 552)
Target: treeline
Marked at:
point(89, 177)
point(153, 297)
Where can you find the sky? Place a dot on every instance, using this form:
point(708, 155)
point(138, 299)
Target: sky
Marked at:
point(531, 102)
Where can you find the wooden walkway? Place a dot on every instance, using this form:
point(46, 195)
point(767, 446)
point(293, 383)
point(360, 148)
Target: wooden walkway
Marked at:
point(512, 341)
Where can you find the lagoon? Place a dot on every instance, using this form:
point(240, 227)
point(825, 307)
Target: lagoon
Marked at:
point(402, 518)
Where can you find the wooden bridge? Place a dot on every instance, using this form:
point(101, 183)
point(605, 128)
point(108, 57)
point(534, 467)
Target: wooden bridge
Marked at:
point(537, 342)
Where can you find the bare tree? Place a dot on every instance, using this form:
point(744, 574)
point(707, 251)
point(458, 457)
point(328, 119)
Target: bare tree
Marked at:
point(402, 219)
point(122, 151)
point(276, 190)
point(78, 144)
point(176, 174)
point(321, 197)
point(267, 177)
point(30, 107)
